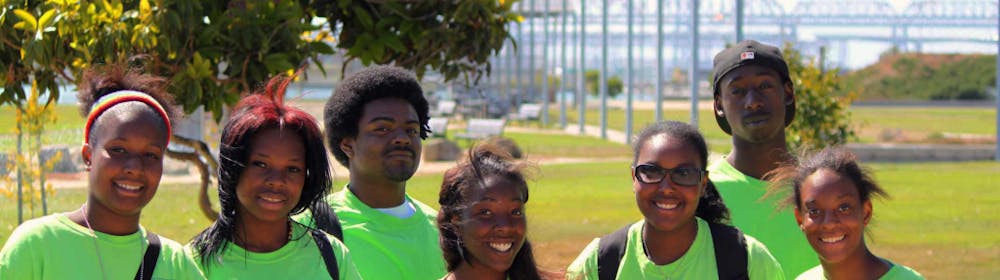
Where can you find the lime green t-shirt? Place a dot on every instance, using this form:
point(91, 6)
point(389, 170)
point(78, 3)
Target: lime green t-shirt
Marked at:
point(777, 230)
point(54, 247)
point(385, 246)
point(697, 263)
point(298, 259)
point(896, 272)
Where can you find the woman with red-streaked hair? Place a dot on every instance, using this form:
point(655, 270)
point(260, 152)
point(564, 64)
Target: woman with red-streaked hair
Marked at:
point(272, 165)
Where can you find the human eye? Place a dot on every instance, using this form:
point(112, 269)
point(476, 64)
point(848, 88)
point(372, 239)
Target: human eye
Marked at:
point(844, 208)
point(412, 131)
point(116, 150)
point(517, 212)
point(812, 212)
point(152, 155)
point(295, 169)
point(736, 90)
point(484, 212)
point(258, 163)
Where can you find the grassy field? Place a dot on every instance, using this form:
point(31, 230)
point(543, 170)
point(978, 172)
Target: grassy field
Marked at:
point(942, 219)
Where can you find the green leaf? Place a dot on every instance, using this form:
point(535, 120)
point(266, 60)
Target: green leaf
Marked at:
point(277, 62)
point(364, 17)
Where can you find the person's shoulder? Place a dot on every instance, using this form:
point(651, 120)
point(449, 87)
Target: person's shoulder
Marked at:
point(428, 211)
point(755, 247)
point(815, 273)
point(40, 228)
point(901, 272)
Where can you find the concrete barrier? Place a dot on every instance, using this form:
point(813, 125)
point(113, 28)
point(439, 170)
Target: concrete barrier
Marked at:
point(885, 152)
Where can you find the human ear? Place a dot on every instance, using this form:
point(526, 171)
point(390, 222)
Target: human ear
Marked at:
point(85, 153)
point(798, 218)
point(868, 211)
point(789, 94)
point(347, 146)
point(718, 107)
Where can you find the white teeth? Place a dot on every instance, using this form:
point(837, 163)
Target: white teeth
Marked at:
point(666, 206)
point(502, 247)
point(833, 239)
point(271, 199)
point(130, 187)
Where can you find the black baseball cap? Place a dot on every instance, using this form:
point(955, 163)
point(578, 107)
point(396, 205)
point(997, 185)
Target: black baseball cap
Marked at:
point(749, 52)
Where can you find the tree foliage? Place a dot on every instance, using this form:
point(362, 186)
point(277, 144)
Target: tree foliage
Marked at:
point(821, 116)
point(593, 79)
point(913, 76)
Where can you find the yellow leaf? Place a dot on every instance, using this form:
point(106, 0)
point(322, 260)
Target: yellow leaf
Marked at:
point(26, 17)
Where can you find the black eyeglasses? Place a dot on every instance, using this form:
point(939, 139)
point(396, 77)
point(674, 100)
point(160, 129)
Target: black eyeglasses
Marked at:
point(683, 176)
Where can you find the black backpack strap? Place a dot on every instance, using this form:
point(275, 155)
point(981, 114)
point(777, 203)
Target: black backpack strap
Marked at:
point(145, 271)
point(610, 250)
point(730, 251)
point(327, 251)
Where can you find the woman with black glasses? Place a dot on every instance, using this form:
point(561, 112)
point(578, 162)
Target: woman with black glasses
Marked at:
point(684, 233)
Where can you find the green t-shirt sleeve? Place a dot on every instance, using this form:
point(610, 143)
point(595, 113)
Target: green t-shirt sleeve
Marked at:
point(179, 259)
point(585, 265)
point(762, 263)
point(345, 264)
point(18, 258)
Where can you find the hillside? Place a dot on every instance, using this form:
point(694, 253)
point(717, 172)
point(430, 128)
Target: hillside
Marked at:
point(913, 76)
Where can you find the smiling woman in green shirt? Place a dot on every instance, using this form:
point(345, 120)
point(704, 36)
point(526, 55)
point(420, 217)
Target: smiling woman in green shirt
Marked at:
point(682, 235)
point(832, 195)
point(272, 165)
point(125, 137)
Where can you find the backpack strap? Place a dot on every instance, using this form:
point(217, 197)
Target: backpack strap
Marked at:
point(610, 250)
point(327, 251)
point(145, 271)
point(730, 251)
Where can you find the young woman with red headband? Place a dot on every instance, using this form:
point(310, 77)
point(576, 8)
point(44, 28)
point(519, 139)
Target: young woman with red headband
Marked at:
point(125, 138)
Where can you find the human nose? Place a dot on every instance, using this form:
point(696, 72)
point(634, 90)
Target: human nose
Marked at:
point(133, 164)
point(754, 100)
point(503, 223)
point(274, 178)
point(401, 137)
point(830, 219)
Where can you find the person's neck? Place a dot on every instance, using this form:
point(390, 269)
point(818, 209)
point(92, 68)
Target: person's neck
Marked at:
point(665, 247)
point(864, 265)
point(756, 159)
point(261, 236)
point(103, 220)
point(378, 194)
point(466, 270)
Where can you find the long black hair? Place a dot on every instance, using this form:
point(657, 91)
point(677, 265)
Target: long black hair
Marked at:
point(484, 161)
point(255, 113)
point(710, 205)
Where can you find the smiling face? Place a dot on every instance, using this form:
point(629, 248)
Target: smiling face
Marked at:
point(125, 159)
point(832, 216)
point(271, 183)
point(493, 226)
point(753, 100)
point(665, 205)
point(388, 142)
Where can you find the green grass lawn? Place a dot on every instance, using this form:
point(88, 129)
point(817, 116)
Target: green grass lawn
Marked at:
point(942, 219)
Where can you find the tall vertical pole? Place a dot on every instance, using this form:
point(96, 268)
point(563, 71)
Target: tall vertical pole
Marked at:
point(603, 88)
point(693, 70)
point(531, 48)
point(629, 80)
point(563, 78)
point(739, 21)
point(659, 60)
point(545, 62)
point(581, 80)
point(996, 155)
point(520, 51)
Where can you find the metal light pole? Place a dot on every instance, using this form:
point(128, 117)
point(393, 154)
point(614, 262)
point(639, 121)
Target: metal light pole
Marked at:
point(659, 60)
point(565, 68)
point(603, 87)
point(739, 21)
point(996, 155)
point(693, 71)
point(545, 63)
point(629, 81)
point(520, 70)
point(581, 73)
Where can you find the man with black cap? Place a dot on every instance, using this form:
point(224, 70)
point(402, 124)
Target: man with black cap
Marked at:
point(754, 102)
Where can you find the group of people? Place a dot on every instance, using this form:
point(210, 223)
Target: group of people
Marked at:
point(279, 219)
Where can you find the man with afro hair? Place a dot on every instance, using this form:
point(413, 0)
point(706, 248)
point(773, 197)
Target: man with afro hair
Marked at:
point(375, 122)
